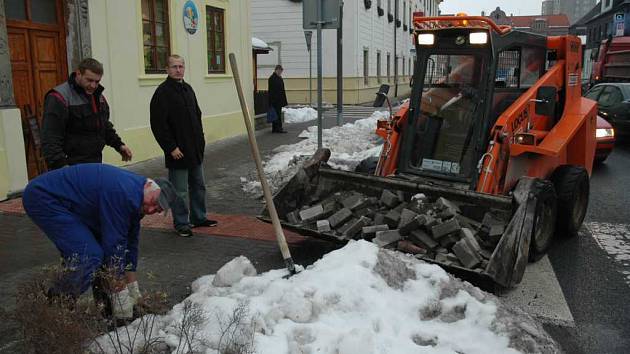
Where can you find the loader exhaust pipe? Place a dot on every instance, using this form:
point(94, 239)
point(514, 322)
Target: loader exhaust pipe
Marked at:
point(282, 242)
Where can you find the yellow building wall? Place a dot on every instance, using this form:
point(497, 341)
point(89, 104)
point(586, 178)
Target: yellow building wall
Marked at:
point(116, 37)
point(355, 90)
point(13, 175)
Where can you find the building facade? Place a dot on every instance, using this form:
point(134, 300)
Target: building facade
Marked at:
point(42, 41)
point(574, 9)
point(371, 57)
point(549, 25)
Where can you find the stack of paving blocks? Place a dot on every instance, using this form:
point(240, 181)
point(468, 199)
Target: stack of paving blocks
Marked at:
point(432, 229)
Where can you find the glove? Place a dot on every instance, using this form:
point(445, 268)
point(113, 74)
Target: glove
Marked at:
point(134, 291)
point(122, 304)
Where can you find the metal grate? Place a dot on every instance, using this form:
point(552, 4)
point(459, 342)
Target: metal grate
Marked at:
point(508, 65)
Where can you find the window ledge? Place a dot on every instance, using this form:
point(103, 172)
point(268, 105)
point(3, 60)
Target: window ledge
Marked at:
point(151, 79)
point(215, 77)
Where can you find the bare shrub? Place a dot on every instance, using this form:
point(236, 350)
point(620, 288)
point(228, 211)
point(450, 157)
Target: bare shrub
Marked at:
point(237, 331)
point(63, 324)
point(193, 318)
point(59, 324)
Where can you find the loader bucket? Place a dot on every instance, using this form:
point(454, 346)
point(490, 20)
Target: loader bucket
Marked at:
point(504, 268)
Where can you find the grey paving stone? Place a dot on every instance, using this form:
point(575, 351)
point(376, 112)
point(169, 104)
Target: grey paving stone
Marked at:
point(355, 227)
point(423, 239)
point(384, 238)
point(312, 213)
point(445, 228)
point(323, 226)
point(339, 217)
point(389, 199)
point(370, 231)
point(392, 218)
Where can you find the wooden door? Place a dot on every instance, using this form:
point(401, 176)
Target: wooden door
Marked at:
point(36, 34)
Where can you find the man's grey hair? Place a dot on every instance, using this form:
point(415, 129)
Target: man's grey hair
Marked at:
point(152, 186)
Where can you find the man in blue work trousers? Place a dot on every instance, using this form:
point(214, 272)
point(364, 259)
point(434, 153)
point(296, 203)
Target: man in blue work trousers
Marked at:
point(92, 212)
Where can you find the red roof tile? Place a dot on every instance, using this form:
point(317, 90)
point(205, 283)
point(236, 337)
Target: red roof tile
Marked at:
point(552, 20)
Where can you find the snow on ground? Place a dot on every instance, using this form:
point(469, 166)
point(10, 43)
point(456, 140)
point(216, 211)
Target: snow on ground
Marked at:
point(349, 144)
point(299, 115)
point(357, 300)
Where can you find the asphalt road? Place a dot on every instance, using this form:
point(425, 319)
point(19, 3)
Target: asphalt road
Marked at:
point(590, 268)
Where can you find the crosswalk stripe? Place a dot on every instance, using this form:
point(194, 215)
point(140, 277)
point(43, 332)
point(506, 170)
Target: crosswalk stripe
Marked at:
point(540, 295)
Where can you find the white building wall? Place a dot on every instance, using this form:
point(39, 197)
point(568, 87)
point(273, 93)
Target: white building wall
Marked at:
point(279, 23)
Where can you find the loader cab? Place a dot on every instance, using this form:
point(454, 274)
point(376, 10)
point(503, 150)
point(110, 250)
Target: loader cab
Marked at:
point(464, 79)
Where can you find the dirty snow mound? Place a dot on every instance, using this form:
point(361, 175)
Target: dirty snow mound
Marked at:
point(358, 299)
point(233, 271)
point(349, 144)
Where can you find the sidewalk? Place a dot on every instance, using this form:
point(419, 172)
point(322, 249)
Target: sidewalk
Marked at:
point(167, 261)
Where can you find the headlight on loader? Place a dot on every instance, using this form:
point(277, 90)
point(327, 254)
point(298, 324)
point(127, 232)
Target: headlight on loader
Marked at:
point(604, 133)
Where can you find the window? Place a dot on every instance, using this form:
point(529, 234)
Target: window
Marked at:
point(378, 67)
point(388, 68)
point(594, 92)
point(40, 11)
point(216, 40)
point(389, 6)
point(366, 67)
point(155, 35)
point(610, 96)
point(532, 62)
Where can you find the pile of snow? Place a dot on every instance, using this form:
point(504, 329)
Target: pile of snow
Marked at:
point(357, 300)
point(349, 144)
point(299, 115)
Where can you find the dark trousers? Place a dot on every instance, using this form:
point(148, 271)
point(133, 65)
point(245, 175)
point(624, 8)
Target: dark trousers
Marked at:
point(276, 125)
point(191, 187)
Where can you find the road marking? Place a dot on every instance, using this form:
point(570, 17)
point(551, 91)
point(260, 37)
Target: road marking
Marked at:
point(614, 239)
point(540, 295)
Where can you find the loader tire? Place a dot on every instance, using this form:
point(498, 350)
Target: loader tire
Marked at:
point(367, 166)
point(572, 189)
point(544, 219)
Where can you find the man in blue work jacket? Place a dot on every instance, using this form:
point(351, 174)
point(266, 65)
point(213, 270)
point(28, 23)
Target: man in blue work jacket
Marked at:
point(92, 212)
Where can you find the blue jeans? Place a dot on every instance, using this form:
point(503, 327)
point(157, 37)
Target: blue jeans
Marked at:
point(190, 186)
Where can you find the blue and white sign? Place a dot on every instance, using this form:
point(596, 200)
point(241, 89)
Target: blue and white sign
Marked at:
point(620, 17)
point(191, 17)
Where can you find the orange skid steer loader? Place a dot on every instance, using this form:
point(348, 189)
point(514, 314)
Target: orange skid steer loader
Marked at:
point(496, 123)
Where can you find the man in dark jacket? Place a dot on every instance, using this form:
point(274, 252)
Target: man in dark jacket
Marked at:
point(76, 125)
point(277, 98)
point(176, 125)
point(92, 213)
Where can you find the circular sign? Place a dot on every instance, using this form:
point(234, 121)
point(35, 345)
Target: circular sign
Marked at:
point(191, 17)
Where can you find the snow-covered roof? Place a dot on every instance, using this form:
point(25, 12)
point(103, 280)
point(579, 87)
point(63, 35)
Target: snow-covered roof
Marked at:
point(259, 44)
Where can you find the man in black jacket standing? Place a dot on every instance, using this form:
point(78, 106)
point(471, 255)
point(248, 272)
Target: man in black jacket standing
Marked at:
point(277, 98)
point(176, 125)
point(76, 125)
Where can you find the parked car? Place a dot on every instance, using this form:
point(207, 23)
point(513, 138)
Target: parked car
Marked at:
point(614, 104)
point(605, 136)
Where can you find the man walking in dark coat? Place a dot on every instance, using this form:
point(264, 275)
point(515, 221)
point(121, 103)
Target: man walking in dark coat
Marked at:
point(176, 125)
point(92, 213)
point(76, 125)
point(277, 98)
